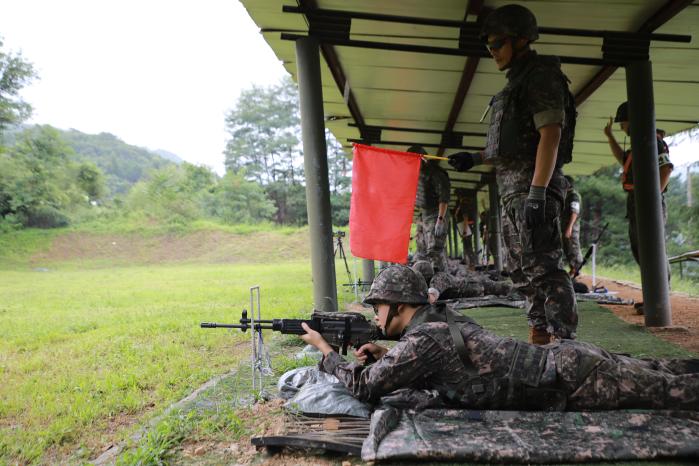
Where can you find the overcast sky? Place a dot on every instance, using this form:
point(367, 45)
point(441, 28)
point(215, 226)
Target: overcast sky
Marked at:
point(156, 73)
point(159, 74)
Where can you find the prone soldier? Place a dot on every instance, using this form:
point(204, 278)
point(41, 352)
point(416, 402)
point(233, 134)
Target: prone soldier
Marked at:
point(442, 351)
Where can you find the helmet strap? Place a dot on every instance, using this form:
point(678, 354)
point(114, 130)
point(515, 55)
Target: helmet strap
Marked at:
point(392, 312)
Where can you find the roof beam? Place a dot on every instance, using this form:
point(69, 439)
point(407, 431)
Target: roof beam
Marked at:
point(408, 143)
point(475, 7)
point(467, 50)
point(421, 130)
point(660, 17)
point(343, 14)
point(333, 62)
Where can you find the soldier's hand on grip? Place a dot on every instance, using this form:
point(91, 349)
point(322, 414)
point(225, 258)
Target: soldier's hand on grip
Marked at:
point(372, 349)
point(535, 212)
point(462, 161)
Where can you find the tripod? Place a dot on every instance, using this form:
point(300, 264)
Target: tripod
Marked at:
point(338, 247)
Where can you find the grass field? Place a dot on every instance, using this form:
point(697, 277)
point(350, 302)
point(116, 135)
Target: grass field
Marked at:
point(92, 351)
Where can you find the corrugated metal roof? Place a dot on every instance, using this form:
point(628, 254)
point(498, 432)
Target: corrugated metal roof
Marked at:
point(417, 90)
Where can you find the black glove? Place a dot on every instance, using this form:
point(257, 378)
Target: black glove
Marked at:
point(534, 212)
point(463, 161)
point(439, 227)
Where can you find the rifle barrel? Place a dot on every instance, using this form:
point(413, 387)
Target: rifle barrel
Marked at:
point(241, 326)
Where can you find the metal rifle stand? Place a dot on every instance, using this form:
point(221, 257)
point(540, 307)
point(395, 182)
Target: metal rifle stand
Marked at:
point(261, 364)
point(594, 266)
point(338, 247)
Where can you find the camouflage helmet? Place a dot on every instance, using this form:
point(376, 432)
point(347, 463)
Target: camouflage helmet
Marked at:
point(424, 268)
point(397, 284)
point(622, 113)
point(511, 20)
point(417, 149)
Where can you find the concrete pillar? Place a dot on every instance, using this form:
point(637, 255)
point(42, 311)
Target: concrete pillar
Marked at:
point(651, 231)
point(316, 168)
point(367, 270)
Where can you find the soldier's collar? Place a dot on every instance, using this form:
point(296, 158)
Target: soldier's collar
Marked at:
point(419, 317)
point(518, 64)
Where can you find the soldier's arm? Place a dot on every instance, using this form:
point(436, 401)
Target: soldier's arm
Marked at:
point(545, 97)
point(546, 154)
point(411, 360)
point(665, 167)
point(617, 152)
point(442, 187)
point(665, 172)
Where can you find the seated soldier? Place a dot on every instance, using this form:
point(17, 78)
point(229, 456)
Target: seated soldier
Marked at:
point(470, 367)
point(443, 285)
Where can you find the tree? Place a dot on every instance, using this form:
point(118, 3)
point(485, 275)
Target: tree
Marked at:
point(91, 180)
point(241, 201)
point(264, 128)
point(264, 144)
point(40, 181)
point(604, 200)
point(15, 73)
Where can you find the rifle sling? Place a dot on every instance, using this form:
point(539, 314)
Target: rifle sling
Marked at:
point(458, 339)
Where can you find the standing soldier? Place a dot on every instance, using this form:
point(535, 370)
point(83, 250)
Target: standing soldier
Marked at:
point(432, 199)
point(571, 227)
point(625, 158)
point(465, 215)
point(530, 137)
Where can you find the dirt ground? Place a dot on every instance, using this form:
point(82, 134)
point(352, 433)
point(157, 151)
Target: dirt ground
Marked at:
point(685, 312)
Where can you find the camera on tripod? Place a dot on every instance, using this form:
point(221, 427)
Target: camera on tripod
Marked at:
point(339, 234)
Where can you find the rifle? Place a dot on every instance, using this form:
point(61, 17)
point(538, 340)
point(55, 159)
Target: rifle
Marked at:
point(339, 329)
point(589, 250)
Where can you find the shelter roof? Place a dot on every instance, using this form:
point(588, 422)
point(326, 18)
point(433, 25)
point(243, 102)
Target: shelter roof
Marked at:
point(395, 98)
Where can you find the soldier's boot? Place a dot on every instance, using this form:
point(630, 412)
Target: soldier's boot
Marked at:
point(539, 336)
point(639, 308)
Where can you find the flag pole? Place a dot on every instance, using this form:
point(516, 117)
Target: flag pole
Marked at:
point(434, 157)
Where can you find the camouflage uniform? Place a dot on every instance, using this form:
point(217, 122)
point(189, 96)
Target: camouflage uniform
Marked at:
point(471, 285)
point(433, 188)
point(627, 182)
point(532, 99)
point(503, 373)
point(571, 246)
point(466, 206)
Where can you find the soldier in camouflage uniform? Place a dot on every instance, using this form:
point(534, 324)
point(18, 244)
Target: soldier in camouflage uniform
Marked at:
point(625, 159)
point(465, 215)
point(444, 285)
point(570, 226)
point(449, 358)
point(529, 139)
point(433, 192)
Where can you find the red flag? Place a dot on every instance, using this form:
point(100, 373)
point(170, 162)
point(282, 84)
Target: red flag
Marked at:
point(384, 183)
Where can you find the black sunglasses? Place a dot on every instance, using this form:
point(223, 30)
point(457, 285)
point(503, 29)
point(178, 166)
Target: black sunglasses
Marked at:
point(497, 43)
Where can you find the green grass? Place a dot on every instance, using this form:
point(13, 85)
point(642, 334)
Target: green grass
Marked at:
point(92, 351)
point(85, 348)
point(596, 325)
point(631, 273)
